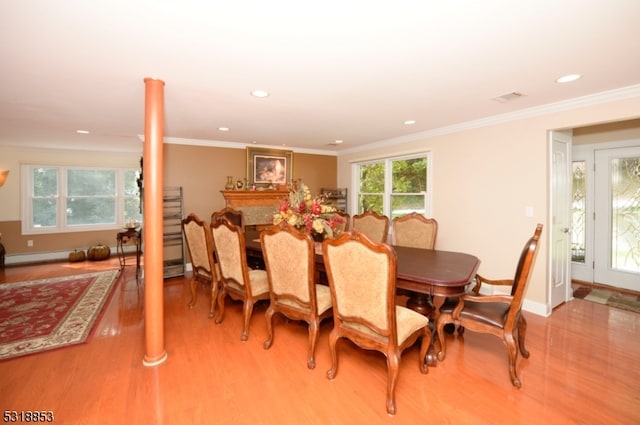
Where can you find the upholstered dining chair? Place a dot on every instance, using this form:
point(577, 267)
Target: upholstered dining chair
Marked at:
point(362, 280)
point(289, 257)
point(414, 230)
point(200, 247)
point(347, 220)
point(237, 280)
point(372, 224)
point(235, 217)
point(499, 315)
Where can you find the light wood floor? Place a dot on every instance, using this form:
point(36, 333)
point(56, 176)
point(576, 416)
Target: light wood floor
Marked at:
point(584, 368)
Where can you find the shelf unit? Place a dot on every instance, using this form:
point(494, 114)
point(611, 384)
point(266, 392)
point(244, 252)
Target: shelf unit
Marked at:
point(174, 255)
point(336, 198)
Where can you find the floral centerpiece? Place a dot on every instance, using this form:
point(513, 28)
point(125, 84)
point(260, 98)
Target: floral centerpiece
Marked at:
point(308, 214)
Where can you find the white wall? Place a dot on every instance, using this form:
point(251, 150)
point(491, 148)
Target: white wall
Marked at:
point(485, 177)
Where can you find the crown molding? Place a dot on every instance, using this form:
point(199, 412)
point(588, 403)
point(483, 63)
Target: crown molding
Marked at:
point(565, 105)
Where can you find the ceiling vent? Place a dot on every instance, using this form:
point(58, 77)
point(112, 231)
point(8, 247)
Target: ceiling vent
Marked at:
point(508, 97)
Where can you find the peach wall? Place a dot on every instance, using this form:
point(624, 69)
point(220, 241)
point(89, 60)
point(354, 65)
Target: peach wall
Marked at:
point(203, 171)
point(10, 221)
point(484, 178)
point(200, 170)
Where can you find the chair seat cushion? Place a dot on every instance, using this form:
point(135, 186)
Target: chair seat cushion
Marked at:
point(489, 313)
point(407, 322)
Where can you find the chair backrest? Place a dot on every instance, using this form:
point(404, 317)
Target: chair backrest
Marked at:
point(415, 230)
point(289, 257)
point(235, 217)
point(523, 271)
point(372, 224)
point(199, 245)
point(230, 249)
point(362, 277)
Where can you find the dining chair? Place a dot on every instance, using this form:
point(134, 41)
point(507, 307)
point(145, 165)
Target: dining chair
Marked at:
point(362, 281)
point(499, 315)
point(372, 224)
point(235, 217)
point(289, 257)
point(414, 230)
point(347, 220)
point(236, 279)
point(200, 248)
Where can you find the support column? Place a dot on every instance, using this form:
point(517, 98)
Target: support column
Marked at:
point(155, 352)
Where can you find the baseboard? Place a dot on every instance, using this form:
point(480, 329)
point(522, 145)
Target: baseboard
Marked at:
point(52, 256)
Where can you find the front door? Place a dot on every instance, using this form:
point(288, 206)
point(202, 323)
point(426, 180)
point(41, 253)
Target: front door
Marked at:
point(617, 217)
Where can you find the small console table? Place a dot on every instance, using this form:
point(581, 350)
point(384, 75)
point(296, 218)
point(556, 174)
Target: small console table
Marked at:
point(129, 236)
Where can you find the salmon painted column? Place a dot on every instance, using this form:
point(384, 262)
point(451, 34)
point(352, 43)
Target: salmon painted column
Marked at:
point(155, 352)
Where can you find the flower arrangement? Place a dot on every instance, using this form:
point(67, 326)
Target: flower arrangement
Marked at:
point(307, 213)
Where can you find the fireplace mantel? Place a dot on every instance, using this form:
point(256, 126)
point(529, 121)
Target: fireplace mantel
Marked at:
point(258, 206)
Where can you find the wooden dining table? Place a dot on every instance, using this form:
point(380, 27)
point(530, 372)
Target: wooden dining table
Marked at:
point(426, 276)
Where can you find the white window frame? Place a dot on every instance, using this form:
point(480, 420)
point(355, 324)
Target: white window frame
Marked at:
point(388, 174)
point(26, 213)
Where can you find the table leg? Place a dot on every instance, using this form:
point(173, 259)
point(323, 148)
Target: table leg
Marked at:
point(120, 252)
point(430, 307)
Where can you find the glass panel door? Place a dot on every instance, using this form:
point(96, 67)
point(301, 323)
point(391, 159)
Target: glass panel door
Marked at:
point(617, 260)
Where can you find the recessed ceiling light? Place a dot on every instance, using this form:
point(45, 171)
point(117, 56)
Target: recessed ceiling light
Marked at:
point(223, 128)
point(259, 93)
point(337, 142)
point(409, 122)
point(568, 78)
point(82, 131)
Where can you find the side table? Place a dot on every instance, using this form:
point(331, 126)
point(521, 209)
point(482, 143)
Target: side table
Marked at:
point(125, 237)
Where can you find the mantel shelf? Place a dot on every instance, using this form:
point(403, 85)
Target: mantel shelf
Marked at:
point(258, 206)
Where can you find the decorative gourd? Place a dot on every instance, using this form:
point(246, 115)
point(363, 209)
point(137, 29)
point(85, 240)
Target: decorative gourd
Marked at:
point(98, 252)
point(76, 256)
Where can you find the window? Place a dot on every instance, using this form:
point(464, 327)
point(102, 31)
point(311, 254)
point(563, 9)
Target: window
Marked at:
point(394, 186)
point(66, 199)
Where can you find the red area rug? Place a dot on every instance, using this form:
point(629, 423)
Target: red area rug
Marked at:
point(45, 314)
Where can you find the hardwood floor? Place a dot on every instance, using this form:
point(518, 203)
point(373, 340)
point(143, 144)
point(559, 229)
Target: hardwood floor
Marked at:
point(583, 368)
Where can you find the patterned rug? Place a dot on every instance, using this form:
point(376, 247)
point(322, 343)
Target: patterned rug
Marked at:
point(45, 314)
point(610, 298)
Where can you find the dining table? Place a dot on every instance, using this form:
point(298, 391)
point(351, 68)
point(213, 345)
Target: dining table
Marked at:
point(426, 276)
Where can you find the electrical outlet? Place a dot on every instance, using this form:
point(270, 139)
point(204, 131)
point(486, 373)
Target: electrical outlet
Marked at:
point(29, 243)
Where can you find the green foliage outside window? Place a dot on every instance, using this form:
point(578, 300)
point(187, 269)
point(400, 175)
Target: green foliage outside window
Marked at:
point(408, 183)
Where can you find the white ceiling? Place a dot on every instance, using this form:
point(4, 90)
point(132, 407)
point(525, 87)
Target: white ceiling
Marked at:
point(351, 70)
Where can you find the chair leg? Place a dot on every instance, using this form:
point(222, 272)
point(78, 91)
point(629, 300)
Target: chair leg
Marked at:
point(314, 326)
point(333, 339)
point(269, 318)
point(221, 296)
point(214, 295)
point(393, 367)
point(248, 309)
point(512, 351)
point(194, 291)
point(522, 332)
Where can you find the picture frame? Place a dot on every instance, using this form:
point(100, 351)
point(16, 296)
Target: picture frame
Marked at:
point(269, 167)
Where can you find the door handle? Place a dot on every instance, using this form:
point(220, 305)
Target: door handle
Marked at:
point(565, 230)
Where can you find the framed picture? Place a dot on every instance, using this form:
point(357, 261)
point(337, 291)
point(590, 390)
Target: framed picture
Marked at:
point(268, 166)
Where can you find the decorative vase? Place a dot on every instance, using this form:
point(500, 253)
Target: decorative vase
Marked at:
point(229, 185)
point(317, 237)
